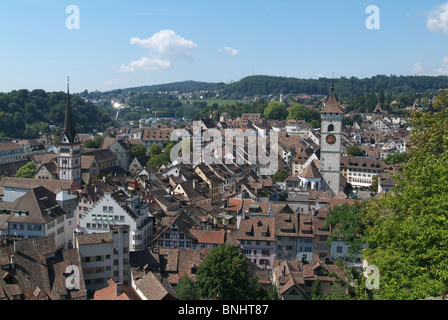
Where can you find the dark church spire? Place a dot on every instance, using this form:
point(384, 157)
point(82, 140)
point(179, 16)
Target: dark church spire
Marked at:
point(69, 134)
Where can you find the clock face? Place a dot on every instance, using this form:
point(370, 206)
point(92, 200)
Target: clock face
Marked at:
point(330, 139)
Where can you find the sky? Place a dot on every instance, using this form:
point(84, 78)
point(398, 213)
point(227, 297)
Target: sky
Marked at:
point(105, 45)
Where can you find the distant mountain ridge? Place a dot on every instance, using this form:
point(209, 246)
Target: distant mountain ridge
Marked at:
point(265, 85)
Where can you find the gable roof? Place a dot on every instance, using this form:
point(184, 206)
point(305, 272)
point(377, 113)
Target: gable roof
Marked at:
point(116, 291)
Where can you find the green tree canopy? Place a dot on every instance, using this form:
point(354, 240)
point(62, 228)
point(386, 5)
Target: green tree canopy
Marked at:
point(94, 143)
point(280, 176)
point(354, 151)
point(224, 275)
point(407, 229)
point(275, 111)
point(155, 149)
point(139, 151)
point(27, 171)
point(187, 289)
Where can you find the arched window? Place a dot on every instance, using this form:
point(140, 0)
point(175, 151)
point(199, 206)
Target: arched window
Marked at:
point(309, 185)
point(330, 128)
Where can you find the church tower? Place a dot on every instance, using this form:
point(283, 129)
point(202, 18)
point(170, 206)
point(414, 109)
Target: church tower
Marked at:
point(69, 148)
point(330, 144)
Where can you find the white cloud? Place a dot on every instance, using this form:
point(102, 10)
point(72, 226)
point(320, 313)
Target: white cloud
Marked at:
point(230, 51)
point(166, 43)
point(442, 70)
point(438, 19)
point(164, 46)
point(146, 63)
point(418, 68)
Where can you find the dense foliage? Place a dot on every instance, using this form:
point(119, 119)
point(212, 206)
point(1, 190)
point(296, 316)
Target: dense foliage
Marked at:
point(26, 114)
point(406, 230)
point(224, 275)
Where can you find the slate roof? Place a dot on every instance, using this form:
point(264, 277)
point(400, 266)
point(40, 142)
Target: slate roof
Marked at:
point(39, 271)
point(39, 205)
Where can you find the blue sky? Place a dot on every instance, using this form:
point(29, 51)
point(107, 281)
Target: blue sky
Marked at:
point(122, 44)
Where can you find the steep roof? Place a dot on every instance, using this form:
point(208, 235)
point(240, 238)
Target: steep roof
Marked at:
point(311, 171)
point(69, 128)
point(39, 205)
point(332, 105)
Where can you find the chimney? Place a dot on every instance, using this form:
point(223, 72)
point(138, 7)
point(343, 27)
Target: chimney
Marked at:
point(12, 262)
point(75, 245)
point(194, 183)
point(15, 245)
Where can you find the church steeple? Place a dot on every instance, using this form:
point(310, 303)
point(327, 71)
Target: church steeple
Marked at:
point(69, 135)
point(69, 148)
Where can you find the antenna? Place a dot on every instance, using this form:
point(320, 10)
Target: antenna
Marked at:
point(332, 83)
point(68, 83)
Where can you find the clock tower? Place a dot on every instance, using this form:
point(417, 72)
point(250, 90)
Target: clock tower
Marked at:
point(69, 147)
point(330, 145)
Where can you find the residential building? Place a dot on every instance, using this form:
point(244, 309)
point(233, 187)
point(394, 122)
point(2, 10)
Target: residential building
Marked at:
point(39, 213)
point(120, 208)
point(104, 256)
point(10, 152)
point(255, 239)
point(286, 223)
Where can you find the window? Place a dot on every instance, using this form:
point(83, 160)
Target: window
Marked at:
point(330, 128)
point(339, 249)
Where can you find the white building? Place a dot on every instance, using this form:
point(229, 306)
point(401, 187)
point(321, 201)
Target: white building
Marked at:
point(120, 208)
point(104, 256)
point(41, 213)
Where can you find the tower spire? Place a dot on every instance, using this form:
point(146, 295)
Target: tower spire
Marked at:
point(69, 129)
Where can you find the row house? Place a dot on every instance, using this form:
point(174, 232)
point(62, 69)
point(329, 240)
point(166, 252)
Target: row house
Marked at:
point(255, 238)
point(294, 279)
point(187, 231)
point(157, 136)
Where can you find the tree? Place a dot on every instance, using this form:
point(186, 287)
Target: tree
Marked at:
point(317, 293)
point(155, 149)
point(26, 171)
point(374, 186)
point(186, 289)
point(94, 143)
point(280, 176)
point(354, 151)
point(139, 151)
point(396, 158)
point(224, 275)
point(158, 160)
point(346, 221)
point(275, 111)
point(406, 230)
